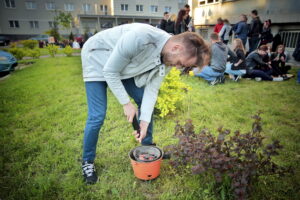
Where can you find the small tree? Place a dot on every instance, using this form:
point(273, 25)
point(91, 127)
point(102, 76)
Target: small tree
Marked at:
point(71, 36)
point(95, 32)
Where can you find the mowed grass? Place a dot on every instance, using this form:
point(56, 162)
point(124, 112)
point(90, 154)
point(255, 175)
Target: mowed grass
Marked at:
point(42, 116)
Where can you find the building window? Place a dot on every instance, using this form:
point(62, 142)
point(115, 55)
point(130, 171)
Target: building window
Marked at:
point(139, 8)
point(168, 8)
point(69, 7)
point(13, 24)
point(50, 6)
point(86, 7)
point(124, 7)
point(202, 2)
point(10, 4)
point(51, 24)
point(154, 8)
point(30, 5)
point(34, 24)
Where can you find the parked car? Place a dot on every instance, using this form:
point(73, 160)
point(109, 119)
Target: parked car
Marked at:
point(40, 37)
point(4, 41)
point(7, 62)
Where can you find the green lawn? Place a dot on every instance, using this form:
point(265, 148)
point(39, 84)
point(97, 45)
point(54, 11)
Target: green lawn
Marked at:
point(42, 117)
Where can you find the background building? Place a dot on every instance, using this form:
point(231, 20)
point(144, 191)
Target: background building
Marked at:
point(21, 19)
point(284, 14)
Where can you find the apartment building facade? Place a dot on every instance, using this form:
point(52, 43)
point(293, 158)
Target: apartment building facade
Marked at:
point(284, 14)
point(20, 19)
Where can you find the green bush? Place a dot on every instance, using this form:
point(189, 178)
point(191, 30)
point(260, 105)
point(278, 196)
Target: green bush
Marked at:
point(18, 53)
point(68, 51)
point(34, 53)
point(52, 49)
point(30, 44)
point(171, 93)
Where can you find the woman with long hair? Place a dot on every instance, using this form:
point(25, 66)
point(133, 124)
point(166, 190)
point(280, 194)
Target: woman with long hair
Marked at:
point(237, 67)
point(180, 25)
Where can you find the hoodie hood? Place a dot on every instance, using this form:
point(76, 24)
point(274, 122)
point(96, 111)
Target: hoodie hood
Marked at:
point(221, 46)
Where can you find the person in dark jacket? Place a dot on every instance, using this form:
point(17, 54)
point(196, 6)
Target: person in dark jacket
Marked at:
point(255, 65)
point(296, 53)
point(266, 34)
point(278, 60)
point(180, 25)
point(276, 41)
point(237, 66)
point(241, 29)
point(188, 20)
point(163, 22)
point(254, 31)
point(214, 73)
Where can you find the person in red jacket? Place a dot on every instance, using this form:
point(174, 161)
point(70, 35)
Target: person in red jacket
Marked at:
point(219, 25)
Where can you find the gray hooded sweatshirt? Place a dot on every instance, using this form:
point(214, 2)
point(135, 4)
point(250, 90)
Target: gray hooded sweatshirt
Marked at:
point(219, 56)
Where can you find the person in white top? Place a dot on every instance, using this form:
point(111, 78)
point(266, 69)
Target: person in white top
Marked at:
point(75, 45)
point(225, 32)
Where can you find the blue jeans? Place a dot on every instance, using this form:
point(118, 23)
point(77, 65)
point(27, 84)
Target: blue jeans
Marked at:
point(253, 43)
point(209, 74)
point(96, 92)
point(265, 75)
point(234, 72)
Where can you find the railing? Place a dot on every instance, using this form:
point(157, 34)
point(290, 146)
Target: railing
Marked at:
point(290, 38)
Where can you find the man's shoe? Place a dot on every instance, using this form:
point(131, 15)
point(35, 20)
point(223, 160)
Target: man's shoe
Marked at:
point(214, 82)
point(221, 79)
point(237, 78)
point(89, 172)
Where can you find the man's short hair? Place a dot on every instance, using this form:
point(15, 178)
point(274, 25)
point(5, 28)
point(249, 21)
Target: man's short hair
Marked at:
point(245, 17)
point(254, 12)
point(263, 48)
point(214, 36)
point(196, 46)
point(187, 6)
point(165, 13)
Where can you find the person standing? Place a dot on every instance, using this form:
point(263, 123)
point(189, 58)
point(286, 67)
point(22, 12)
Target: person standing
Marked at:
point(266, 34)
point(188, 20)
point(163, 22)
point(131, 60)
point(241, 29)
point(225, 31)
point(254, 31)
point(219, 25)
point(180, 25)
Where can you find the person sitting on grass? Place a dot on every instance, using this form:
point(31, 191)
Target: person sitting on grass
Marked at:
point(257, 68)
point(214, 73)
point(130, 59)
point(278, 60)
point(237, 68)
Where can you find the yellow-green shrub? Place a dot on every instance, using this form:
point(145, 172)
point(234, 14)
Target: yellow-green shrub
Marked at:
point(34, 53)
point(171, 93)
point(30, 44)
point(52, 49)
point(68, 51)
point(18, 53)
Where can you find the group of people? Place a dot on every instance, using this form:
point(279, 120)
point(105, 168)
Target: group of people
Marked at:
point(260, 62)
point(177, 24)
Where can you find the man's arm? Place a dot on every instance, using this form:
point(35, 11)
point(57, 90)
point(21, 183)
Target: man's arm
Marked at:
point(126, 48)
point(150, 95)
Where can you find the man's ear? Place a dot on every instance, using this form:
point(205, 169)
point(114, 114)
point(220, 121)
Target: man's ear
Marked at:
point(177, 48)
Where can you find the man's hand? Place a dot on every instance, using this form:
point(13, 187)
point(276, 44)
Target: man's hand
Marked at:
point(143, 131)
point(282, 59)
point(129, 111)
